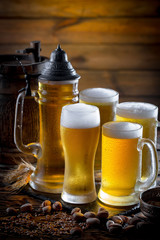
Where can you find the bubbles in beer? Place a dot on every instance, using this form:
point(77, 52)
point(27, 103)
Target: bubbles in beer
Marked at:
point(80, 115)
point(99, 95)
point(123, 130)
point(137, 110)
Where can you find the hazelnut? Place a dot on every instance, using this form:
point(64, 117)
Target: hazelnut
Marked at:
point(117, 219)
point(11, 211)
point(46, 209)
point(57, 206)
point(115, 228)
point(101, 209)
point(78, 217)
point(108, 223)
point(90, 215)
point(102, 215)
point(26, 207)
point(75, 210)
point(76, 231)
point(93, 222)
point(46, 203)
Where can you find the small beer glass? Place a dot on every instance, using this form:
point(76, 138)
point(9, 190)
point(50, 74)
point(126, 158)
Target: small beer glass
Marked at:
point(80, 125)
point(145, 114)
point(122, 145)
point(106, 100)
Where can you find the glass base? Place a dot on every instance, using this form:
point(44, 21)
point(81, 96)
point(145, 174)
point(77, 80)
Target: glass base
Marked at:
point(118, 201)
point(79, 199)
point(50, 186)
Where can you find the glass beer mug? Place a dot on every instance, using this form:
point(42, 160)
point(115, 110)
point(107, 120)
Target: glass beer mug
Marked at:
point(106, 100)
point(122, 180)
point(57, 86)
point(145, 114)
point(80, 125)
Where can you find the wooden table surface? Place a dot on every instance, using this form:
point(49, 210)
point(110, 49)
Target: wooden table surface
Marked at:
point(28, 195)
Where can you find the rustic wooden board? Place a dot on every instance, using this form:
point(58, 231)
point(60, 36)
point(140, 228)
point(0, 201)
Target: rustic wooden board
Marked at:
point(104, 56)
point(79, 8)
point(84, 30)
point(127, 83)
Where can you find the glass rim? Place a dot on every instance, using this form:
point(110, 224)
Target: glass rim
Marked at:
point(92, 109)
point(107, 125)
point(93, 98)
point(132, 111)
point(128, 110)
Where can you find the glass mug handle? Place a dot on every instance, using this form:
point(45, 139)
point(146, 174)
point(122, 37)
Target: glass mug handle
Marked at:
point(144, 185)
point(158, 142)
point(31, 148)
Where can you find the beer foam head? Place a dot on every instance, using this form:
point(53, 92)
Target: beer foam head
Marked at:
point(137, 110)
point(80, 115)
point(122, 130)
point(99, 95)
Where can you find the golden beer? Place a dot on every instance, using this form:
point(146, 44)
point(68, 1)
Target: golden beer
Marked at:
point(120, 167)
point(146, 115)
point(121, 163)
point(49, 173)
point(79, 134)
point(79, 158)
point(106, 100)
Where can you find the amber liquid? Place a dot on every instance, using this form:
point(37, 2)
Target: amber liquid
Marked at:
point(49, 173)
point(120, 165)
point(107, 113)
point(149, 131)
point(79, 148)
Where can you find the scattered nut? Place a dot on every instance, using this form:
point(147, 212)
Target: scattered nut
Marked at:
point(102, 215)
point(124, 218)
point(11, 211)
point(101, 209)
point(46, 203)
point(26, 207)
point(76, 231)
point(78, 217)
point(93, 222)
point(57, 206)
point(75, 210)
point(117, 219)
point(115, 228)
point(46, 209)
point(108, 223)
point(90, 215)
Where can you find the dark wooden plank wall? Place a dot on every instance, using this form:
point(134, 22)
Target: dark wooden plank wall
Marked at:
point(113, 44)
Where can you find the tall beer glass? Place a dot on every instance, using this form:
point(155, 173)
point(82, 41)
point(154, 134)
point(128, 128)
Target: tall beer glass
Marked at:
point(79, 134)
point(122, 182)
point(106, 100)
point(145, 114)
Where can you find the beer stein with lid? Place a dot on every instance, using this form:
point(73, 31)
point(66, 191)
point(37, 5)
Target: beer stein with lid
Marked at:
point(57, 86)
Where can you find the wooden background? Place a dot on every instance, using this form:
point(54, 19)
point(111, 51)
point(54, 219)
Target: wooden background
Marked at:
point(111, 43)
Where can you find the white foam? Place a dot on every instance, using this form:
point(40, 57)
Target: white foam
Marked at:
point(99, 95)
point(123, 130)
point(80, 115)
point(137, 110)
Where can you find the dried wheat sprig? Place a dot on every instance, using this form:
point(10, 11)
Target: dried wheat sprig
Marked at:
point(16, 179)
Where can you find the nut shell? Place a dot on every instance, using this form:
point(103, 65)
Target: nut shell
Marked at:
point(26, 207)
